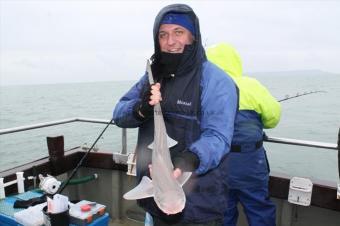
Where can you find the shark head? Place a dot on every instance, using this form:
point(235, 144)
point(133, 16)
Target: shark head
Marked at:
point(166, 202)
point(170, 205)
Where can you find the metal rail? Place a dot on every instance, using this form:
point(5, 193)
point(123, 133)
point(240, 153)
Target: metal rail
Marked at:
point(305, 143)
point(52, 123)
point(64, 121)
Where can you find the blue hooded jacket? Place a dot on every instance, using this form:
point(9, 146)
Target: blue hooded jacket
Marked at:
point(199, 106)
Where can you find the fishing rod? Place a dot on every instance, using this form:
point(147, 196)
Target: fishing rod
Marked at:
point(338, 146)
point(287, 97)
point(62, 187)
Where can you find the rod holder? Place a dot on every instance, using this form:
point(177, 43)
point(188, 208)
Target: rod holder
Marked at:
point(2, 188)
point(20, 182)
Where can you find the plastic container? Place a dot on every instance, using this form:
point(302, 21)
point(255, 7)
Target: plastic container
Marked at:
point(84, 216)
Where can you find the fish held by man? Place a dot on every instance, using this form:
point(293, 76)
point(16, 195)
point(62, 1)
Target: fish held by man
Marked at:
point(164, 187)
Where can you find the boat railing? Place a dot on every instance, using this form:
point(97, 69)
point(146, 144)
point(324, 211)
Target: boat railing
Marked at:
point(306, 143)
point(65, 121)
point(51, 123)
point(279, 140)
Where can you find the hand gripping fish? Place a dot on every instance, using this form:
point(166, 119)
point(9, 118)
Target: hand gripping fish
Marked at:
point(166, 190)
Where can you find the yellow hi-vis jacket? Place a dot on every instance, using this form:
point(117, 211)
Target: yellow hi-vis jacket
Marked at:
point(253, 95)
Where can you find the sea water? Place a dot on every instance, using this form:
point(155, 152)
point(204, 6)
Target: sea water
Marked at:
point(313, 117)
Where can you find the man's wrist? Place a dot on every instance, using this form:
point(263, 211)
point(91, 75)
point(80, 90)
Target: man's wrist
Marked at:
point(136, 112)
point(187, 161)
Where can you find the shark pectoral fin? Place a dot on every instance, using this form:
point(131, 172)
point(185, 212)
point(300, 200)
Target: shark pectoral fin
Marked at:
point(184, 178)
point(143, 190)
point(171, 142)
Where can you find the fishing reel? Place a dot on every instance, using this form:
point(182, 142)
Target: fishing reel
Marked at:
point(49, 184)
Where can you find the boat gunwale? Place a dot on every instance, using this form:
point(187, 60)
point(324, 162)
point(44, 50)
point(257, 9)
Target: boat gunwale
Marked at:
point(324, 192)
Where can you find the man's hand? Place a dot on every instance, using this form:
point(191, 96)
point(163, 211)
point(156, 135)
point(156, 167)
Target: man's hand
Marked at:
point(149, 99)
point(176, 173)
point(156, 95)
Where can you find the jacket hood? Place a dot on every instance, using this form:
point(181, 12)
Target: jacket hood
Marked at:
point(197, 53)
point(227, 58)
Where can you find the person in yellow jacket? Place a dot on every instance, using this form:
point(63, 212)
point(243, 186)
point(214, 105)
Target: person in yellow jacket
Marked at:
point(248, 170)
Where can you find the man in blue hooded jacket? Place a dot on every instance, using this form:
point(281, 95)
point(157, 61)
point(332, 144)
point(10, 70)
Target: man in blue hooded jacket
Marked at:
point(248, 170)
point(199, 104)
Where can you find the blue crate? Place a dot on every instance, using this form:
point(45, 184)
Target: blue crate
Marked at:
point(7, 221)
point(101, 221)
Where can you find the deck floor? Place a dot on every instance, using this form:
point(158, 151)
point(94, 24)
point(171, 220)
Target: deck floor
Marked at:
point(124, 223)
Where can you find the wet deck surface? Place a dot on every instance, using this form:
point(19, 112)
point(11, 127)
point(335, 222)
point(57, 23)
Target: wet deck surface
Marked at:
point(125, 223)
point(133, 217)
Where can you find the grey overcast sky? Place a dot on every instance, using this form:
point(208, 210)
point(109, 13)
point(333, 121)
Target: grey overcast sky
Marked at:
point(86, 40)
